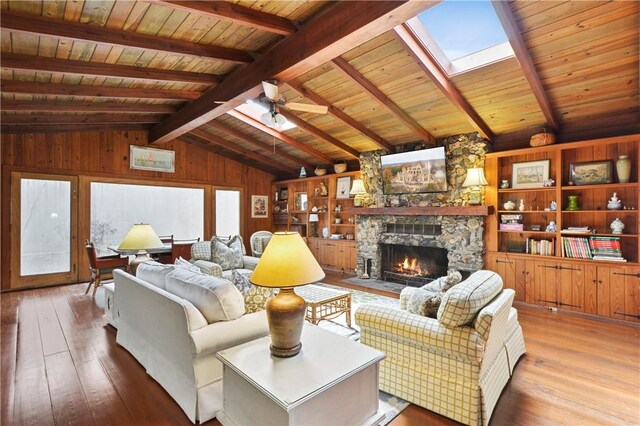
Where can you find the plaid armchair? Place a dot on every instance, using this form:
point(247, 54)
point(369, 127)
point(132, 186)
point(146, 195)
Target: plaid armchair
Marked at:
point(456, 364)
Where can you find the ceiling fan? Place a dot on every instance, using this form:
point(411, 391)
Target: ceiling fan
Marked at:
point(271, 99)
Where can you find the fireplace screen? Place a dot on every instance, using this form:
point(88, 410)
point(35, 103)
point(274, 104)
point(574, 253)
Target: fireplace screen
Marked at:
point(413, 266)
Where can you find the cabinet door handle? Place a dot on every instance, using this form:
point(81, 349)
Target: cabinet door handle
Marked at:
point(627, 275)
point(566, 304)
point(560, 267)
point(627, 315)
point(502, 261)
point(553, 302)
point(548, 267)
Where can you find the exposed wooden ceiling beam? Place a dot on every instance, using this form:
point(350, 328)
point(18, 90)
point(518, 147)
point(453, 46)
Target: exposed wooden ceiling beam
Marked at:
point(216, 140)
point(67, 66)
point(283, 137)
point(28, 87)
point(197, 142)
point(423, 58)
point(234, 12)
point(368, 87)
point(340, 115)
point(508, 20)
point(335, 31)
point(250, 140)
point(58, 106)
point(323, 136)
point(64, 128)
point(40, 25)
point(42, 119)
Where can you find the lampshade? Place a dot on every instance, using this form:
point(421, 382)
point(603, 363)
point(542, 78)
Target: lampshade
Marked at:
point(475, 177)
point(286, 262)
point(141, 236)
point(357, 187)
point(313, 217)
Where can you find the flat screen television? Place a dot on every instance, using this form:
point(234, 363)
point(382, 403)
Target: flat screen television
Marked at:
point(414, 172)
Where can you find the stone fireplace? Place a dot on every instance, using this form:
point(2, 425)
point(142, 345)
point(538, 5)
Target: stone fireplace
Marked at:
point(460, 236)
point(441, 221)
point(413, 265)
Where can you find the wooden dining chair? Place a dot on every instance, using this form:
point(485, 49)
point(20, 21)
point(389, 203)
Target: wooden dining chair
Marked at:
point(102, 267)
point(165, 257)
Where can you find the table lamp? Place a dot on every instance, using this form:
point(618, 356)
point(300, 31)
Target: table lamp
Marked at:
point(358, 190)
point(313, 220)
point(475, 179)
point(140, 237)
point(287, 262)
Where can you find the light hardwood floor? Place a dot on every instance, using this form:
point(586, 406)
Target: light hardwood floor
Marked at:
point(61, 365)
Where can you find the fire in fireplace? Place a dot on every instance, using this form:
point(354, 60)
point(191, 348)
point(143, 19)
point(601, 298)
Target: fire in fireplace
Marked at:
point(414, 266)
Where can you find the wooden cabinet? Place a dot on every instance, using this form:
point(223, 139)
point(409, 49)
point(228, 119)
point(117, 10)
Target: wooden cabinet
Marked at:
point(334, 254)
point(556, 278)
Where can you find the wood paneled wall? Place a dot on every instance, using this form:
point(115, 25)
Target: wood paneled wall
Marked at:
point(106, 155)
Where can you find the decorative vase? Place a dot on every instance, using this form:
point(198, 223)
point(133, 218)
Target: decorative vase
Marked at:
point(617, 226)
point(504, 184)
point(509, 205)
point(623, 167)
point(573, 205)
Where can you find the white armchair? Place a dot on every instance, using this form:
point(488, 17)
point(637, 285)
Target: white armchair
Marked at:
point(455, 365)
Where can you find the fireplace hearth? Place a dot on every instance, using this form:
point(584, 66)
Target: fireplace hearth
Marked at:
point(413, 265)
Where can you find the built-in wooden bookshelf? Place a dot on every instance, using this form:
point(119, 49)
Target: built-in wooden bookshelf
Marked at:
point(599, 287)
point(334, 212)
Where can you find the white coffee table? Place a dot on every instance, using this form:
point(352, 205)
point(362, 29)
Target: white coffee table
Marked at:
point(332, 381)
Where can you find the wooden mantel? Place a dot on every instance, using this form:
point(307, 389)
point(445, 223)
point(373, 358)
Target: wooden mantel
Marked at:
point(424, 211)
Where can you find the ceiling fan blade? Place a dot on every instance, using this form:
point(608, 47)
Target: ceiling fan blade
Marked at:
point(316, 109)
point(270, 90)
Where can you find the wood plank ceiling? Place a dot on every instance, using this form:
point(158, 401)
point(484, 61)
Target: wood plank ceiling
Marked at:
point(162, 65)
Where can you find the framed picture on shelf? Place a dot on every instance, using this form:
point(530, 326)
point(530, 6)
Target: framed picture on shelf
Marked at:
point(259, 206)
point(530, 174)
point(591, 173)
point(283, 195)
point(343, 185)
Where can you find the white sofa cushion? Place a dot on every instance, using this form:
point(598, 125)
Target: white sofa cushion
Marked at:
point(462, 302)
point(216, 298)
point(154, 273)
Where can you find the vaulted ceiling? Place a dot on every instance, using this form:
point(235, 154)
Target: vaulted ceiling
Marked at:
point(178, 69)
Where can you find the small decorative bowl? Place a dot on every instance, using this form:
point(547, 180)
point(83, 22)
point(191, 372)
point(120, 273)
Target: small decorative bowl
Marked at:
point(509, 205)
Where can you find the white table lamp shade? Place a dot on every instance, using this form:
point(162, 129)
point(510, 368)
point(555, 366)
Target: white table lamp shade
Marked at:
point(357, 187)
point(475, 177)
point(313, 217)
point(141, 236)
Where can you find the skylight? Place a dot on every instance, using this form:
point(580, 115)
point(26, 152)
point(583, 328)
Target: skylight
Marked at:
point(255, 110)
point(462, 35)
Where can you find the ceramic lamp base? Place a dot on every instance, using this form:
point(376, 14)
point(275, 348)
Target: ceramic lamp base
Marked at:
point(285, 314)
point(141, 256)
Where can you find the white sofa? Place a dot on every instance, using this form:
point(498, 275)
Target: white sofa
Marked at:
point(456, 364)
point(176, 345)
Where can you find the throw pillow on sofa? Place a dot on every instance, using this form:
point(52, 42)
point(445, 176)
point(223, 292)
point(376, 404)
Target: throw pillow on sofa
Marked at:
point(216, 298)
point(255, 298)
point(201, 250)
point(461, 304)
point(182, 263)
point(154, 273)
point(424, 302)
point(227, 253)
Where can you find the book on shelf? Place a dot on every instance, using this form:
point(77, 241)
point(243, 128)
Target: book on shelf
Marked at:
point(511, 227)
point(607, 258)
point(511, 218)
point(576, 248)
point(577, 230)
point(606, 248)
point(541, 247)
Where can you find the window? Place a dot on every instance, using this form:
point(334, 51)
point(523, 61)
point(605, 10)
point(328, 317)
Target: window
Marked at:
point(45, 226)
point(173, 211)
point(227, 212)
point(462, 35)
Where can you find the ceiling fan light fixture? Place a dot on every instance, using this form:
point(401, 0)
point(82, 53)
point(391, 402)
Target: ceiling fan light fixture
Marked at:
point(268, 119)
point(280, 119)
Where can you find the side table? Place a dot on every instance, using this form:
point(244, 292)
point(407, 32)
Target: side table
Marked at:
point(332, 381)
